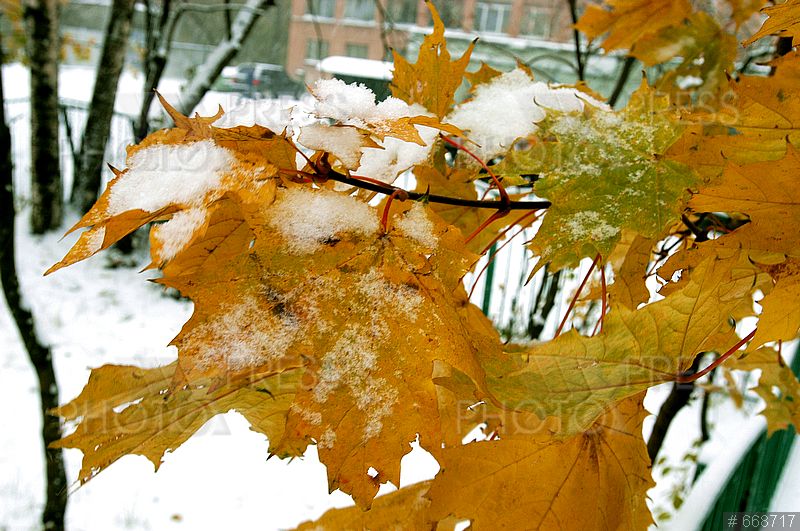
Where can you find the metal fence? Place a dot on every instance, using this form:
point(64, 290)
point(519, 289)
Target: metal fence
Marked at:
point(73, 116)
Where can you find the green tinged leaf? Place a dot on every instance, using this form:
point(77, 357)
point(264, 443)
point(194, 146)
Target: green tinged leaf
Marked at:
point(576, 378)
point(604, 172)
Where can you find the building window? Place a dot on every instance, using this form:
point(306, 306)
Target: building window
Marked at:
point(492, 17)
point(356, 50)
point(359, 9)
point(321, 8)
point(536, 22)
point(316, 50)
point(401, 11)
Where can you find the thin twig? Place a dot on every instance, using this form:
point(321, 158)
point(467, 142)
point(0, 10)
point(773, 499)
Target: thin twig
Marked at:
point(388, 189)
point(717, 362)
point(494, 254)
point(577, 294)
point(500, 188)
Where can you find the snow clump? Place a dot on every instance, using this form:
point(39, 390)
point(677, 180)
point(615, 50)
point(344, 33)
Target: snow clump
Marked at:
point(509, 107)
point(354, 104)
point(307, 219)
point(175, 234)
point(416, 224)
point(166, 174)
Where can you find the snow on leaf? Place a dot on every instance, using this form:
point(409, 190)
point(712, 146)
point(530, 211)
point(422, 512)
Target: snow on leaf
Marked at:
point(783, 20)
point(344, 142)
point(188, 168)
point(129, 410)
point(365, 314)
point(416, 224)
point(596, 479)
point(605, 173)
point(509, 106)
point(433, 80)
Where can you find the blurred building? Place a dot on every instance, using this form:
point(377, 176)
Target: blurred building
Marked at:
point(366, 29)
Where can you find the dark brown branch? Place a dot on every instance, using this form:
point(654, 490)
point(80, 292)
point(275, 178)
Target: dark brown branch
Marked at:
point(573, 12)
point(678, 397)
point(622, 80)
point(388, 189)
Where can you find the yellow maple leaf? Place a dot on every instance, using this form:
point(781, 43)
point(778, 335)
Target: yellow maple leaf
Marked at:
point(765, 191)
point(402, 509)
point(780, 316)
point(706, 50)
point(367, 315)
point(777, 386)
point(188, 169)
point(597, 479)
point(129, 410)
point(627, 21)
point(629, 262)
point(433, 80)
point(753, 125)
point(783, 20)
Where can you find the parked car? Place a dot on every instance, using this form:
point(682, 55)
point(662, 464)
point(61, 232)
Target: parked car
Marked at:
point(258, 80)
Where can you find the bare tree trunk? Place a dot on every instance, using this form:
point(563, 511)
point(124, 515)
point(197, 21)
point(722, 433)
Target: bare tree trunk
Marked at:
point(41, 22)
point(207, 73)
point(88, 173)
point(40, 356)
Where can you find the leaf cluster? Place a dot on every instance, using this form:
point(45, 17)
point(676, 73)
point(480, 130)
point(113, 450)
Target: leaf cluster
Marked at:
point(325, 319)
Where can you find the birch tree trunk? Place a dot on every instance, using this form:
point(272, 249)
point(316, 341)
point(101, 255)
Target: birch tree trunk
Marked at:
point(38, 353)
point(41, 23)
point(88, 174)
point(209, 71)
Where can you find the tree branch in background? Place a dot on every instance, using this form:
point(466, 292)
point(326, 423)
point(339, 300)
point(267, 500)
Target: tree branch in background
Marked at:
point(551, 285)
point(205, 75)
point(228, 21)
point(156, 50)
point(39, 354)
point(43, 48)
point(89, 170)
point(387, 26)
point(317, 28)
point(573, 13)
point(225, 51)
point(622, 80)
point(678, 397)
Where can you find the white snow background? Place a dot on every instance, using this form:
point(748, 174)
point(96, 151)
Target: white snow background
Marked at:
point(220, 478)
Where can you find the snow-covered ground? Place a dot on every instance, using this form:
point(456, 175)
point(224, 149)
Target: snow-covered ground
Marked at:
point(220, 479)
